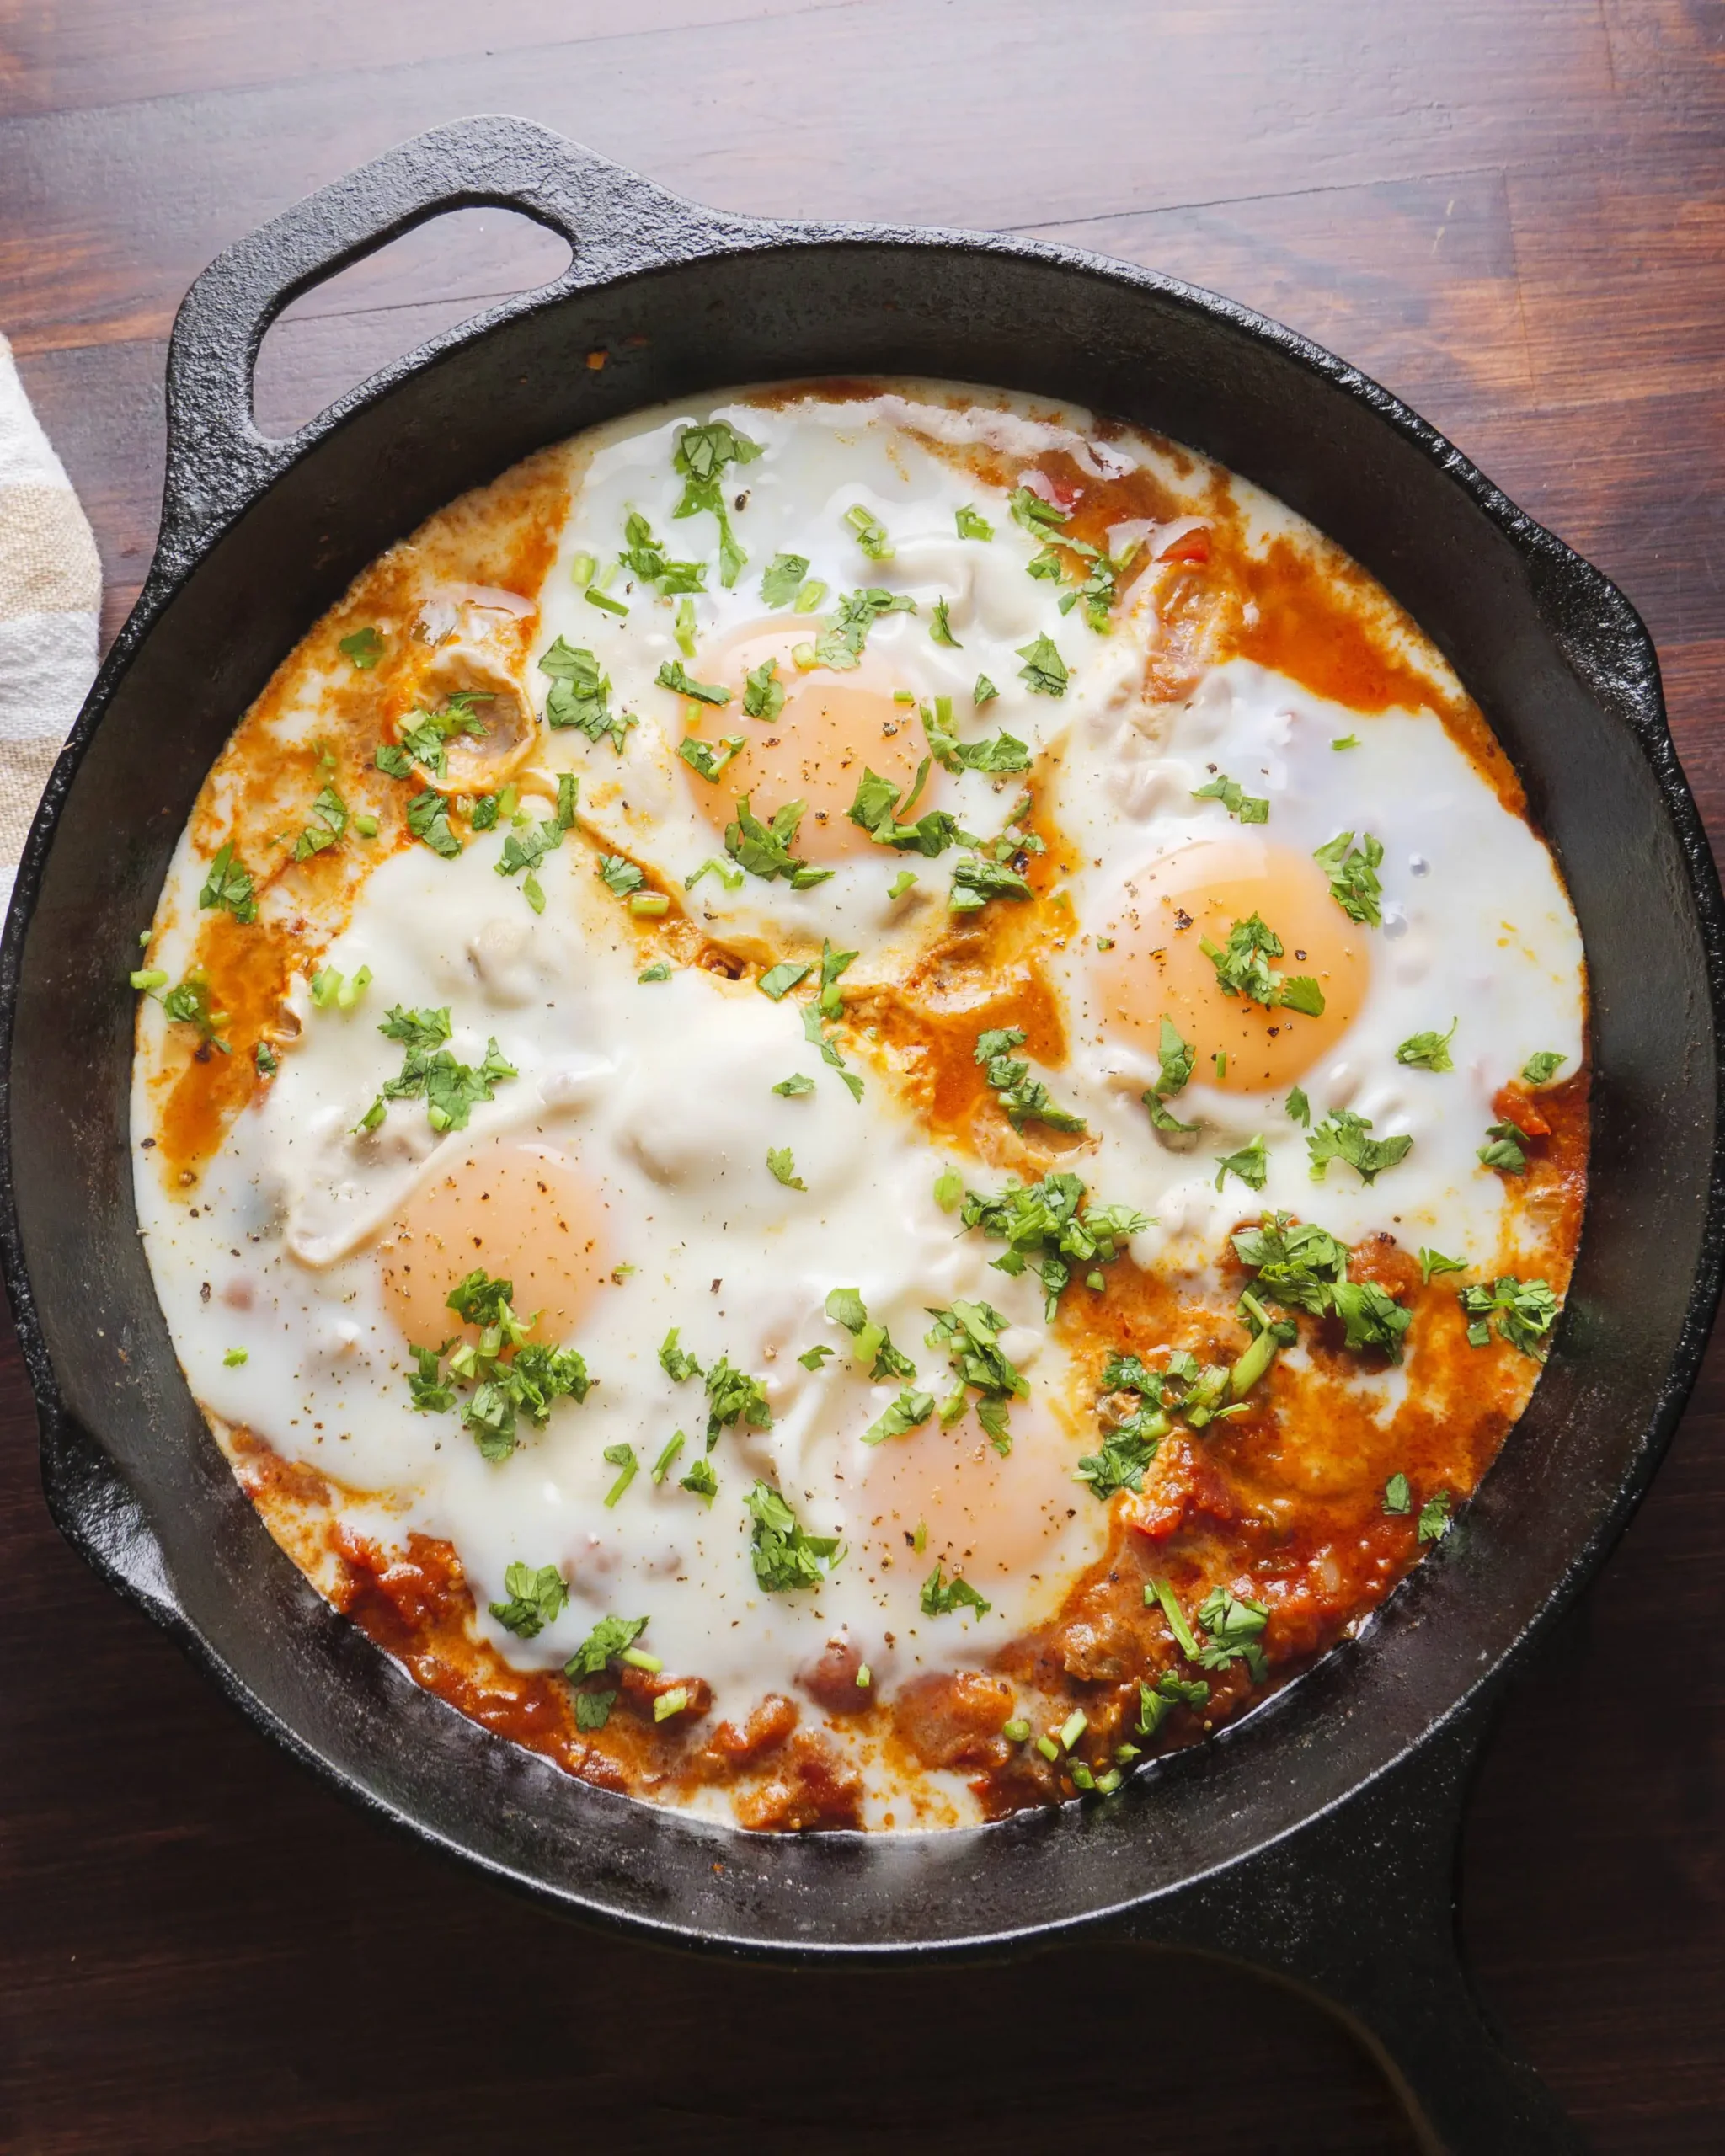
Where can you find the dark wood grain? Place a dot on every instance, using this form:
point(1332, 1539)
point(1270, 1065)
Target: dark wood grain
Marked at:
point(1514, 214)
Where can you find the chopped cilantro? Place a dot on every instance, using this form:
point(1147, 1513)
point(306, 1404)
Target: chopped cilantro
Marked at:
point(1157, 1701)
point(1432, 1261)
point(1371, 1316)
point(450, 1090)
point(1173, 1075)
point(817, 1037)
point(673, 676)
point(1540, 1070)
point(577, 696)
point(813, 1358)
point(667, 1460)
point(948, 1190)
point(394, 762)
point(796, 1085)
point(985, 691)
point(941, 1596)
point(1234, 1626)
point(901, 882)
point(621, 1457)
point(702, 757)
point(764, 850)
point(263, 1056)
point(659, 970)
point(1250, 1163)
point(763, 693)
point(235, 1359)
point(536, 1600)
point(1398, 1495)
point(702, 456)
point(428, 819)
point(782, 1168)
point(189, 1004)
point(1353, 871)
point(778, 981)
point(840, 644)
point(1525, 1311)
point(1434, 1519)
point(1025, 1099)
point(1299, 1108)
point(701, 1480)
point(1243, 969)
point(505, 1374)
point(782, 579)
point(646, 561)
point(229, 887)
point(618, 876)
point(1043, 668)
point(608, 1641)
point(970, 525)
point(870, 1343)
point(1508, 1149)
point(593, 1709)
point(1246, 808)
point(733, 1397)
point(998, 753)
point(969, 1332)
point(1429, 1051)
point(1341, 1136)
point(1045, 1233)
point(909, 1411)
point(329, 820)
point(941, 628)
point(675, 1361)
point(786, 1557)
point(1127, 1449)
point(363, 648)
point(1034, 514)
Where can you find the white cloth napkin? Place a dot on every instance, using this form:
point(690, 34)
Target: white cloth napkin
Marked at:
point(51, 596)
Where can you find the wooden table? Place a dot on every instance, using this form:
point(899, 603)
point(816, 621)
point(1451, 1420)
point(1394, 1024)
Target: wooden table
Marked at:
point(1512, 212)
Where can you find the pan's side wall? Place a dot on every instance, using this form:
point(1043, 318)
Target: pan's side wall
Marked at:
point(1522, 628)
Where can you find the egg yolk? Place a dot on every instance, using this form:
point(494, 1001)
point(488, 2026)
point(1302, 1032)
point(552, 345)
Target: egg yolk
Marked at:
point(833, 727)
point(984, 1516)
point(1157, 967)
point(520, 1210)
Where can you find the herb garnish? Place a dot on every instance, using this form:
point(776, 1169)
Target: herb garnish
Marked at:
point(536, 1600)
point(504, 1374)
point(1540, 1070)
point(1353, 871)
point(871, 1344)
point(764, 850)
point(1508, 1149)
point(1246, 808)
point(1341, 1136)
point(942, 1596)
point(577, 696)
point(1429, 1051)
point(1024, 1099)
point(1043, 668)
point(969, 1332)
point(782, 579)
point(229, 887)
point(1525, 1311)
point(1045, 1233)
point(703, 455)
point(1243, 969)
point(998, 753)
point(786, 1555)
point(1172, 1077)
point(364, 649)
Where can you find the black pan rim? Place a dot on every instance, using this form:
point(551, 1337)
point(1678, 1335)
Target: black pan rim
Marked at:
point(1532, 540)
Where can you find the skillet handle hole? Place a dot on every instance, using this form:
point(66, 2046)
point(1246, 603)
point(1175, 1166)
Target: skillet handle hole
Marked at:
point(347, 325)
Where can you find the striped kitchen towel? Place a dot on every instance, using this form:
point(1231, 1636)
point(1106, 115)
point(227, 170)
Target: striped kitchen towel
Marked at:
point(50, 593)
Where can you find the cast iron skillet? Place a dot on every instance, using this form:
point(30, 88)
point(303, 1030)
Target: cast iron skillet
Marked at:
point(1316, 1838)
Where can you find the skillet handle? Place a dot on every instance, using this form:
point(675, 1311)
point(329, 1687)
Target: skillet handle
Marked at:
point(616, 223)
point(1358, 1911)
point(93, 1505)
